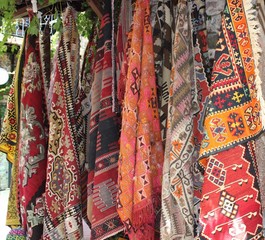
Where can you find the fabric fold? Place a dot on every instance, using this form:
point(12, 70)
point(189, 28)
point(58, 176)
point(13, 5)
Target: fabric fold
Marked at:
point(10, 136)
point(230, 205)
point(32, 148)
point(141, 150)
point(104, 131)
point(178, 176)
point(63, 204)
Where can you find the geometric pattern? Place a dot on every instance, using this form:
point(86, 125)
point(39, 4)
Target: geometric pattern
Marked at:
point(216, 171)
point(252, 117)
point(141, 150)
point(63, 203)
point(182, 105)
point(235, 203)
point(232, 210)
point(235, 124)
point(103, 137)
point(227, 203)
point(233, 97)
point(218, 129)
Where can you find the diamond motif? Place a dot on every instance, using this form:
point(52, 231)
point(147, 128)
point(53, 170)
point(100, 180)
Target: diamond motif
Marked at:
point(218, 129)
point(216, 172)
point(228, 205)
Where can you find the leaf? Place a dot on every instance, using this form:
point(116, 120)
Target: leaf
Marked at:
point(33, 28)
point(3, 4)
point(14, 48)
point(58, 25)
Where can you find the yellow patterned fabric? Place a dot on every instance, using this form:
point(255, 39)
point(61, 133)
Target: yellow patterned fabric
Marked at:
point(8, 137)
point(12, 217)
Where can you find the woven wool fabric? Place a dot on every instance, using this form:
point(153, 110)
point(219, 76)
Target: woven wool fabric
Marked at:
point(182, 106)
point(141, 151)
point(16, 234)
point(9, 131)
point(32, 146)
point(260, 142)
point(85, 98)
point(124, 69)
point(200, 56)
point(9, 139)
point(232, 114)
point(12, 216)
point(125, 20)
point(162, 52)
point(104, 137)
point(230, 207)
point(63, 216)
point(45, 57)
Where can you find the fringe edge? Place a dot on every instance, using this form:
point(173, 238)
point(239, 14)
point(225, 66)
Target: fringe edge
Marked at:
point(254, 33)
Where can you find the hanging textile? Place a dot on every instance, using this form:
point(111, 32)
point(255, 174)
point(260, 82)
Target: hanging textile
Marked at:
point(141, 150)
point(162, 52)
point(45, 54)
point(63, 216)
point(200, 56)
point(85, 98)
point(32, 142)
point(178, 184)
point(104, 137)
point(16, 234)
point(9, 132)
point(213, 10)
point(261, 140)
point(230, 205)
point(9, 139)
point(122, 43)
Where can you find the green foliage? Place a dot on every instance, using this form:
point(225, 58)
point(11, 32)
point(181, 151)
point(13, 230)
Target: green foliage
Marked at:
point(34, 26)
point(85, 21)
point(54, 43)
point(58, 25)
point(7, 9)
point(14, 48)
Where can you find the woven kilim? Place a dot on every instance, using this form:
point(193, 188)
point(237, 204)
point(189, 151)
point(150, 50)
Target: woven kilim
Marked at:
point(200, 58)
point(63, 217)
point(45, 57)
point(32, 155)
point(141, 151)
point(230, 207)
point(162, 53)
point(125, 20)
point(182, 106)
point(260, 142)
point(104, 137)
point(16, 234)
point(232, 114)
point(9, 139)
point(85, 98)
point(124, 69)
point(9, 131)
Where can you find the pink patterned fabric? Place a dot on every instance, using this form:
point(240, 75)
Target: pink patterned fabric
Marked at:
point(141, 151)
